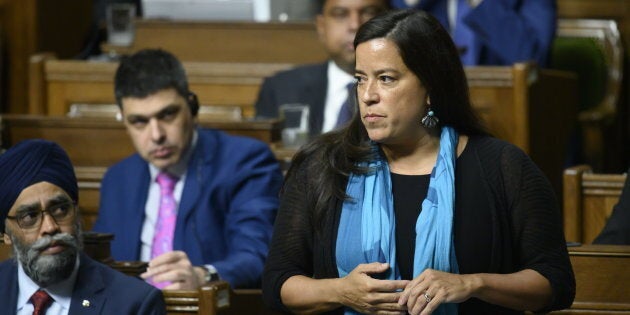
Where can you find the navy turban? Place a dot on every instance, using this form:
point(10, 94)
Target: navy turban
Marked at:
point(30, 162)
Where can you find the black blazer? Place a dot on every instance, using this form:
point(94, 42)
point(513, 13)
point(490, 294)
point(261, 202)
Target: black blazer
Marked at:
point(305, 84)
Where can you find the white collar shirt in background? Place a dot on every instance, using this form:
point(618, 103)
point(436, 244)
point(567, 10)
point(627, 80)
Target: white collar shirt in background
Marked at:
point(336, 94)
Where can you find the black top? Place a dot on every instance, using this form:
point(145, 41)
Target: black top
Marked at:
point(409, 191)
point(506, 220)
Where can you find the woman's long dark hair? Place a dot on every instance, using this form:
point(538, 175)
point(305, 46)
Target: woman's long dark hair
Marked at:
point(428, 51)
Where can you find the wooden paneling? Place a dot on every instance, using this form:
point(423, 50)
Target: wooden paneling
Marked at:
point(529, 107)
point(67, 82)
point(89, 182)
point(30, 26)
point(232, 42)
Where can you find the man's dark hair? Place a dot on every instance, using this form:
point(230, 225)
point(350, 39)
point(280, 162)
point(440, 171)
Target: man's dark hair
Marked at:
point(147, 72)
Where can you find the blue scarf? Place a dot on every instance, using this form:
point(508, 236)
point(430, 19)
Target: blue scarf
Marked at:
point(367, 226)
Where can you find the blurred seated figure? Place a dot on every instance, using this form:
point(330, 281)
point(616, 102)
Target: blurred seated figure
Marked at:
point(323, 87)
point(49, 274)
point(495, 32)
point(617, 229)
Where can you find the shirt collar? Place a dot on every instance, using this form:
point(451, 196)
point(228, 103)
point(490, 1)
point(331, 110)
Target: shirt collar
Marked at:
point(338, 77)
point(60, 292)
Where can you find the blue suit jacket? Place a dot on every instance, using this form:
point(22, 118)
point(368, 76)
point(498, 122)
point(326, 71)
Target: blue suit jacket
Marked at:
point(109, 291)
point(305, 84)
point(506, 31)
point(226, 212)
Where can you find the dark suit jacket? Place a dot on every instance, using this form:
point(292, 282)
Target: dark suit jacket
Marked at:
point(617, 229)
point(226, 212)
point(506, 31)
point(305, 84)
point(109, 291)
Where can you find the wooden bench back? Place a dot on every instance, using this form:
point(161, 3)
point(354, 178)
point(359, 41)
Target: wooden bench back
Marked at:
point(521, 103)
point(602, 277)
point(292, 42)
point(588, 202)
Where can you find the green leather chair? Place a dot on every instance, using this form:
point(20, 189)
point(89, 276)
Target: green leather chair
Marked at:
point(592, 49)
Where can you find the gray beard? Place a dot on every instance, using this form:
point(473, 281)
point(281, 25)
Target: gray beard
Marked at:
point(46, 270)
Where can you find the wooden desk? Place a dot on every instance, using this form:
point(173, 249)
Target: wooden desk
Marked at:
point(602, 277)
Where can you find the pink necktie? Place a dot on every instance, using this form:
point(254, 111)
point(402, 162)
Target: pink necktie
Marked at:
point(167, 216)
point(41, 301)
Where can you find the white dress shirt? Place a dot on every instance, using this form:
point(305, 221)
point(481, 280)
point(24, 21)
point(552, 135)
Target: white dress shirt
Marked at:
point(336, 94)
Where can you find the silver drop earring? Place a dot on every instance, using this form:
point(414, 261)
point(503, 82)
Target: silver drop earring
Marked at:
point(430, 120)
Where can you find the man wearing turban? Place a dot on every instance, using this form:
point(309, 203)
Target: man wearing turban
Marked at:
point(39, 219)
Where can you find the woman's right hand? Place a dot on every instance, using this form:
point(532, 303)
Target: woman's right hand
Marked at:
point(372, 296)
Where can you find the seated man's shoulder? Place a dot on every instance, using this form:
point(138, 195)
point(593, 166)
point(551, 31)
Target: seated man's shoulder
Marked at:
point(6, 267)
point(233, 145)
point(120, 287)
point(115, 280)
point(123, 165)
point(299, 73)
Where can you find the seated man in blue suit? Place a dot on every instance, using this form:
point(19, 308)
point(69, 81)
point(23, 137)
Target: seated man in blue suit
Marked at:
point(197, 204)
point(324, 87)
point(49, 274)
point(495, 32)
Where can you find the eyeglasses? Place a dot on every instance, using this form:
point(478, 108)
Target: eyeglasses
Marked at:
point(32, 219)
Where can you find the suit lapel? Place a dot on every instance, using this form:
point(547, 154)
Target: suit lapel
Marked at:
point(138, 186)
point(87, 296)
point(318, 99)
point(198, 169)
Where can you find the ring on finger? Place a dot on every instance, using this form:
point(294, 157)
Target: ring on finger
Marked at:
point(427, 297)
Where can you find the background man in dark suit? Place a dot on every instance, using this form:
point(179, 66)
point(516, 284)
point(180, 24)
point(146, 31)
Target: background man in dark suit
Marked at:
point(324, 87)
point(224, 194)
point(38, 197)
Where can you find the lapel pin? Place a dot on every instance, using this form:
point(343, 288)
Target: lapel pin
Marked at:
point(86, 303)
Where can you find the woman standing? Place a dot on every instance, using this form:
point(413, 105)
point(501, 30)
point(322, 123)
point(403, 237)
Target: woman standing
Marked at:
point(412, 207)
